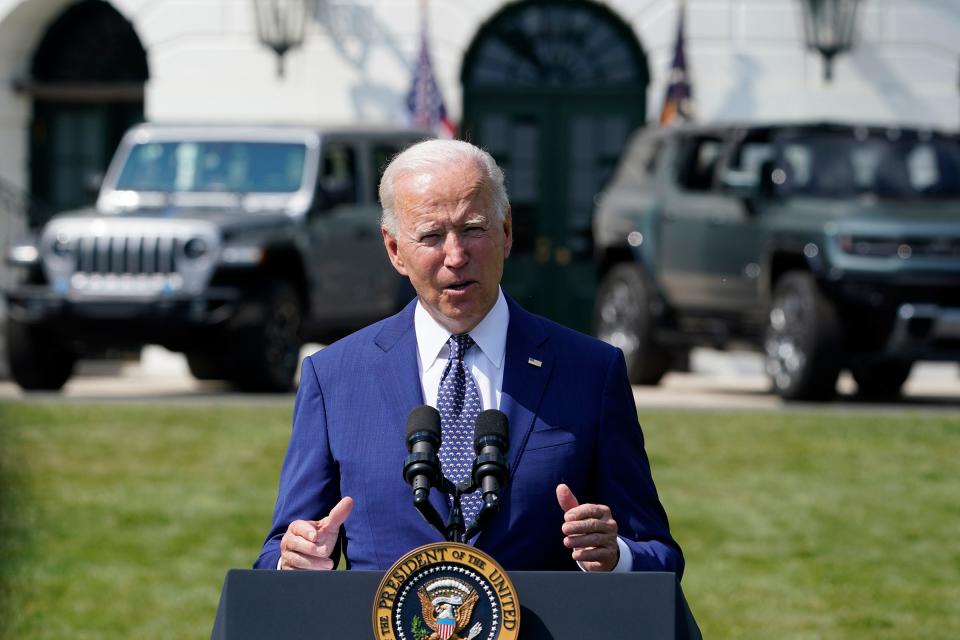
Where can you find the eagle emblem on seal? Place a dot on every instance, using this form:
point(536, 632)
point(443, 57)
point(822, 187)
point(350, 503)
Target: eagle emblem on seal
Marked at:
point(446, 605)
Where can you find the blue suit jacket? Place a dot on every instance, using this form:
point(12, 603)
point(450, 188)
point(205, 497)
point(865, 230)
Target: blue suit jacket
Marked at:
point(572, 420)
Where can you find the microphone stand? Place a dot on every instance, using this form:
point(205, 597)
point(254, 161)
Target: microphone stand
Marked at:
point(455, 528)
point(455, 521)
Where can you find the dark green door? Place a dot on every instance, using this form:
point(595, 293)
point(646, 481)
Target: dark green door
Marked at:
point(557, 153)
point(87, 77)
point(71, 145)
point(552, 90)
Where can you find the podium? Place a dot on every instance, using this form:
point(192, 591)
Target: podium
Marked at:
point(554, 605)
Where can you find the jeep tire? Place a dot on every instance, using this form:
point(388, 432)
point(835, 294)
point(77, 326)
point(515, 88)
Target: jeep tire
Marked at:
point(38, 359)
point(622, 318)
point(802, 341)
point(207, 366)
point(263, 357)
point(878, 380)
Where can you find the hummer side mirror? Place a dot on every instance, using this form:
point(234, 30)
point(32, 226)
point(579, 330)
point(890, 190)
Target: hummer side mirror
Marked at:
point(742, 184)
point(771, 179)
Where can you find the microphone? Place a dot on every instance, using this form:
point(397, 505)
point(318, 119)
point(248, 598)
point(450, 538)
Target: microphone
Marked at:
point(421, 469)
point(490, 466)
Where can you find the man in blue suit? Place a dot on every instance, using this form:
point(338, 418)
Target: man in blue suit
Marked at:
point(580, 491)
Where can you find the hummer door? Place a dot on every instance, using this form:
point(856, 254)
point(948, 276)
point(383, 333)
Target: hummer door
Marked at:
point(706, 237)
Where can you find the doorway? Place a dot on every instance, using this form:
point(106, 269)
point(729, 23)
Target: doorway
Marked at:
point(553, 89)
point(87, 78)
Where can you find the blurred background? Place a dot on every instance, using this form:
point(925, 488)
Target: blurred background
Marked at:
point(553, 89)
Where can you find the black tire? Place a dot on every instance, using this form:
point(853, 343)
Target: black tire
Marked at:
point(878, 380)
point(38, 359)
point(207, 366)
point(622, 317)
point(802, 342)
point(263, 357)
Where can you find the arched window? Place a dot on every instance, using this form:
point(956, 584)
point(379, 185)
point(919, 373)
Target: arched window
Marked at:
point(563, 45)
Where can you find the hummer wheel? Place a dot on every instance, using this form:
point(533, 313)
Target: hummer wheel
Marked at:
point(880, 380)
point(622, 317)
point(802, 342)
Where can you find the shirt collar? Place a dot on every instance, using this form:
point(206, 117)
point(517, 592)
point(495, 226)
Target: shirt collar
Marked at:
point(490, 334)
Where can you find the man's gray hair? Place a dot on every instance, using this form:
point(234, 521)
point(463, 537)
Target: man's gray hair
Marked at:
point(434, 156)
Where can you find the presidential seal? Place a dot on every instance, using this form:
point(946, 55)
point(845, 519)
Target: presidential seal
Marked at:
point(446, 591)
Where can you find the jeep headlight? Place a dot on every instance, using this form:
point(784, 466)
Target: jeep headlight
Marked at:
point(62, 247)
point(195, 248)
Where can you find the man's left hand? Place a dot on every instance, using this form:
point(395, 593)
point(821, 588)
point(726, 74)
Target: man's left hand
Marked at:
point(590, 530)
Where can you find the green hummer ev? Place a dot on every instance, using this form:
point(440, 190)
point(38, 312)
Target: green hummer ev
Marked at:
point(825, 246)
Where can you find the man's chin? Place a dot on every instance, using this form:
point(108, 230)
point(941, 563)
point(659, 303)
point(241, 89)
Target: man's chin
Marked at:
point(460, 316)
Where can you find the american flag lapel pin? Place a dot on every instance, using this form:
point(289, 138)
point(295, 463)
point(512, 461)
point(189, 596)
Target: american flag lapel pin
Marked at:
point(534, 362)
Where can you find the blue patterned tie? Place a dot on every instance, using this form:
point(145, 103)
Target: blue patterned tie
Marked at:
point(459, 404)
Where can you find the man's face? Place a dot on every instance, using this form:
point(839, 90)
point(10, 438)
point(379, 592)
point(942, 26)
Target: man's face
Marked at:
point(450, 243)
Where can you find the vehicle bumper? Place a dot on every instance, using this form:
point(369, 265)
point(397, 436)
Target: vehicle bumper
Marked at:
point(115, 321)
point(912, 317)
point(926, 332)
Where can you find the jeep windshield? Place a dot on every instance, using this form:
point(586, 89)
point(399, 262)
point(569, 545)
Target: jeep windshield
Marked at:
point(195, 171)
point(890, 165)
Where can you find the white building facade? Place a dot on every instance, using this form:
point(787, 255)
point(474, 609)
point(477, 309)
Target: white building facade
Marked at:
point(746, 57)
point(552, 88)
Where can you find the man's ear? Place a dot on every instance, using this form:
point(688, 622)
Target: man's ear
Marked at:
point(393, 251)
point(507, 232)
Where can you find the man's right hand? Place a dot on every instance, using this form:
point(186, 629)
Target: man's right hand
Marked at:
point(307, 544)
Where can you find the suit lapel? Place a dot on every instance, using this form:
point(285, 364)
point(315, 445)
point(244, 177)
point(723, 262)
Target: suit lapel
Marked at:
point(400, 378)
point(528, 363)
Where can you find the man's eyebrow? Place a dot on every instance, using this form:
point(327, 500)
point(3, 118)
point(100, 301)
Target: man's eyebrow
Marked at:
point(425, 228)
point(477, 219)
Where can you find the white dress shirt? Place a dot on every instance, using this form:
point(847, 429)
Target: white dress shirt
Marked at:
point(484, 361)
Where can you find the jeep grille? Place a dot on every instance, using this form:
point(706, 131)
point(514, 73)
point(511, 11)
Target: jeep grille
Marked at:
point(137, 255)
point(129, 259)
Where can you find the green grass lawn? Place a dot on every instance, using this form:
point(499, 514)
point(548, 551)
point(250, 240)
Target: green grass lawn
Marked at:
point(120, 521)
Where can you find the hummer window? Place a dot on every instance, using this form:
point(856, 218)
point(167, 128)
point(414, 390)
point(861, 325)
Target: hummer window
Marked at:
point(743, 168)
point(640, 159)
point(831, 165)
point(699, 162)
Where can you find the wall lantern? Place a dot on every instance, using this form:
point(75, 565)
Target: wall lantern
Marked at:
point(280, 25)
point(828, 28)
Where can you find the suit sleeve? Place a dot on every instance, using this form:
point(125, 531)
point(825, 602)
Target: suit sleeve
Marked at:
point(310, 478)
point(625, 483)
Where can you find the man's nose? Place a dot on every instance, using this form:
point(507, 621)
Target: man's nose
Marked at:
point(455, 253)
